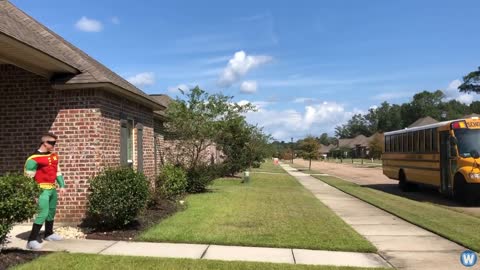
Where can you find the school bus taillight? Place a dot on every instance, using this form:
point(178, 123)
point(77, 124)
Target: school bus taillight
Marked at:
point(459, 124)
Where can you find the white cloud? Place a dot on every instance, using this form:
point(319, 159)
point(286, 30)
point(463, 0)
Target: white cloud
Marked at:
point(142, 79)
point(465, 98)
point(89, 25)
point(452, 92)
point(392, 95)
point(304, 100)
point(115, 20)
point(248, 87)
point(314, 119)
point(176, 89)
point(453, 85)
point(239, 66)
point(259, 105)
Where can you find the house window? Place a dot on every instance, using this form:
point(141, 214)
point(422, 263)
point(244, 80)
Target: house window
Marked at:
point(126, 142)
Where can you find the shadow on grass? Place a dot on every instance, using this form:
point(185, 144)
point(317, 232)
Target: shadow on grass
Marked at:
point(422, 193)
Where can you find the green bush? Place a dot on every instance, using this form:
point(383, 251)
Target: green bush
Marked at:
point(117, 197)
point(200, 177)
point(17, 203)
point(172, 181)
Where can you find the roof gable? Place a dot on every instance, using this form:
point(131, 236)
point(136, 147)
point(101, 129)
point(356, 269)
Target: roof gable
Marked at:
point(23, 28)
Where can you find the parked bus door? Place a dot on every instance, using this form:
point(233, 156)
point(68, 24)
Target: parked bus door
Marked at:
point(444, 162)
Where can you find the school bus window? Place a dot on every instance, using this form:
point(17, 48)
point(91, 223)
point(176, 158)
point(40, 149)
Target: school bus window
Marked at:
point(392, 148)
point(422, 140)
point(405, 142)
point(387, 143)
point(434, 140)
point(394, 141)
point(410, 142)
point(415, 141)
point(397, 143)
point(428, 140)
point(392, 144)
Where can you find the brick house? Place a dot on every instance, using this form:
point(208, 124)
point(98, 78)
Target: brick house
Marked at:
point(49, 85)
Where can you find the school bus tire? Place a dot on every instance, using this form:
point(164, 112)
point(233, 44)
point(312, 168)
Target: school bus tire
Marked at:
point(461, 191)
point(403, 183)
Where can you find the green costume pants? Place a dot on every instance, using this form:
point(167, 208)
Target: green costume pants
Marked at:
point(47, 205)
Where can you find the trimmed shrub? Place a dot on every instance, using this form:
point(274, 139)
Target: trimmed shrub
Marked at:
point(172, 181)
point(17, 203)
point(117, 197)
point(200, 177)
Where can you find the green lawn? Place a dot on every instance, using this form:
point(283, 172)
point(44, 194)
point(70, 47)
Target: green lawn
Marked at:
point(273, 210)
point(304, 169)
point(268, 166)
point(62, 261)
point(456, 226)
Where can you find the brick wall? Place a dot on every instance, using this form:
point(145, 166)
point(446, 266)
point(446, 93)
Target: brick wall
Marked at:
point(86, 121)
point(113, 108)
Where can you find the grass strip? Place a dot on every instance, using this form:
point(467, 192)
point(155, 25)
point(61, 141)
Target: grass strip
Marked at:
point(459, 227)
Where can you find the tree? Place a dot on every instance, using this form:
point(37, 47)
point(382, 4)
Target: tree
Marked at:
point(243, 145)
point(258, 148)
point(197, 122)
point(355, 126)
point(324, 139)
point(375, 147)
point(309, 149)
point(475, 107)
point(423, 104)
point(454, 109)
point(471, 82)
point(387, 118)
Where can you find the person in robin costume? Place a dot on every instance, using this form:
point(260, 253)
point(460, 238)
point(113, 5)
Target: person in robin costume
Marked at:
point(43, 167)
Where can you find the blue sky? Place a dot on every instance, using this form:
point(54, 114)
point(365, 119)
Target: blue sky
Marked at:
point(307, 65)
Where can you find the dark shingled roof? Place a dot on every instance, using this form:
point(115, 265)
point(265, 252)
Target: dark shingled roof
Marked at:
point(162, 99)
point(423, 121)
point(18, 25)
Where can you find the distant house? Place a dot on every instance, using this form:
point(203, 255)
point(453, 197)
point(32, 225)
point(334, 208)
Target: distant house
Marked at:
point(358, 147)
point(423, 121)
point(49, 85)
point(325, 150)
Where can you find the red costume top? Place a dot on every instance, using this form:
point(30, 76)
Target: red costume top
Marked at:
point(43, 167)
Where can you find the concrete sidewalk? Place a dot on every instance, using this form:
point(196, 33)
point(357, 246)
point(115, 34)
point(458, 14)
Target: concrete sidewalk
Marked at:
point(402, 244)
point(199, 251)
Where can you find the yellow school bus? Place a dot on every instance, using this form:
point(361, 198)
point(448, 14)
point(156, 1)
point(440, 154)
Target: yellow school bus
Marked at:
point(444, 155)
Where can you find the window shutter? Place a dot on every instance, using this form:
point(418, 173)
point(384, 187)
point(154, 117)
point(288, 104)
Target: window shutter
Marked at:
point(140, 147)
point(155, 149)
point(123, 142)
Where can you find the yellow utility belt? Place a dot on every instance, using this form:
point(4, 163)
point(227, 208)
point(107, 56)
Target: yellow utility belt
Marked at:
point(46, 186)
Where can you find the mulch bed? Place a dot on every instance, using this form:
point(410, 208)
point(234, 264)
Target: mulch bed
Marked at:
point(12, 257)
point(153, 215)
